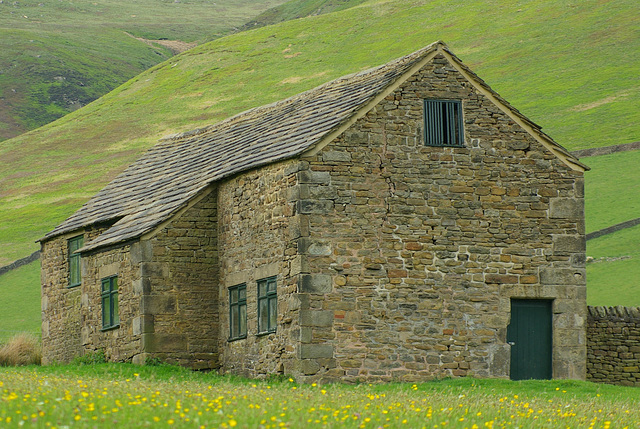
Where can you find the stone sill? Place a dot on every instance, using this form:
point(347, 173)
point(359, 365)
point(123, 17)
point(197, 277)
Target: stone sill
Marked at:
point(110, 328)
point(230, 340)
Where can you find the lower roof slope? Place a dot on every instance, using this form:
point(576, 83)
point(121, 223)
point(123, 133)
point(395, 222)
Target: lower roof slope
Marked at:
point(170, 174)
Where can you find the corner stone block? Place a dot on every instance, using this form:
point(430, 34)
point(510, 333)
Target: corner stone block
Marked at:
point(316, 318)
point(563, 276)
point(309, 367)
point(142, 286)
point(317, 177)
point(315, 206)
point(336, 156)
point(163, 343)
point(143, 325)
point(141, 251)
point(569, 243)
point(566, 208)
point(316, 351)
point(157, 304)
point(315, 283)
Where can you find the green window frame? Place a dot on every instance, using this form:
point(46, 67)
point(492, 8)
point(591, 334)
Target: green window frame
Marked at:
point(109, 296)
point(75, 268)
point(443, 124)
point(238, 312)
point(267, 305)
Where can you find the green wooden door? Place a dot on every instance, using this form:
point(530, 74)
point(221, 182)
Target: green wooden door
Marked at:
point(530, 337)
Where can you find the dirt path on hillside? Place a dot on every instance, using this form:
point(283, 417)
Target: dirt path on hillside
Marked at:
point(175, 46)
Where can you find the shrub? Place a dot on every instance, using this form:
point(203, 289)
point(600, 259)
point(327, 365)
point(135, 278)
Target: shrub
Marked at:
point(22, 349)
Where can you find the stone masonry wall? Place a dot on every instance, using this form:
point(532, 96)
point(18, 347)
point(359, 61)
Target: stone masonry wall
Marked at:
point(258, 236)
point(179, 289)
point(613, 347)
point(121, 343)
point(413, 253)
point(61, 306)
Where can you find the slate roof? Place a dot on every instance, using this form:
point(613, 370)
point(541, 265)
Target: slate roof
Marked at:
point(174, 171)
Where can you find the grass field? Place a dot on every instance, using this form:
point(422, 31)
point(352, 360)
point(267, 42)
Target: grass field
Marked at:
point(132, 396)
point(612, 189)
point(614, 277)
point(20, 301)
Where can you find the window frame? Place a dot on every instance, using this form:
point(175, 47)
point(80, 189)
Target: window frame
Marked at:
point(74, 260)
point(268, 294)
point(443, 123)
point(109, 294)
point(238, 303)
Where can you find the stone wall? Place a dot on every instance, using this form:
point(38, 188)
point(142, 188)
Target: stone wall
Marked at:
point(62, 318)
point(178, 287)
point(258, 236)
point(613, 348)
point(61, 322)
point(121, 343)
point(415, 252)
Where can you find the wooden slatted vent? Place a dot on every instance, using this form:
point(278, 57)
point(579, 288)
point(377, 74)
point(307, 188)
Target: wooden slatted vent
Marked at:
point(443, 123)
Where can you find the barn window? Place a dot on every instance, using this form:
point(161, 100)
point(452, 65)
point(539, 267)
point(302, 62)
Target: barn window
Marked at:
point(443, 123)
point(267, 305)
point(75, 274)
point(238, 312)
point(110, 318)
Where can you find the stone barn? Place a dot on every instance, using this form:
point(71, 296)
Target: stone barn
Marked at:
point(401, 223)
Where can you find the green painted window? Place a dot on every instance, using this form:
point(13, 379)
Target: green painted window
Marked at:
point(110, 318)
point(443, 124)
point(238, 312)
point(267, 305)
point(75, 274)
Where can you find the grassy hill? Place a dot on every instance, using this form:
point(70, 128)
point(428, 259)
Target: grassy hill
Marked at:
point(569, 66)
point(58, 56)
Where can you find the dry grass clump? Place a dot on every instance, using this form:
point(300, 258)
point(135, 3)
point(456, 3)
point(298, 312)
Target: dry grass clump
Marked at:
point(22, 349)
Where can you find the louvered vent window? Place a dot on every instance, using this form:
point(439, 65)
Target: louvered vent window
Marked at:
point(443, 123)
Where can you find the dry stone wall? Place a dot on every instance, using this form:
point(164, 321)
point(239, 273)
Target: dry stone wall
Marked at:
point(415, 252)
point(613, 349)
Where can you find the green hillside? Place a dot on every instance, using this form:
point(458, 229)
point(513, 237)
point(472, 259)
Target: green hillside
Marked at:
point(58, 56)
